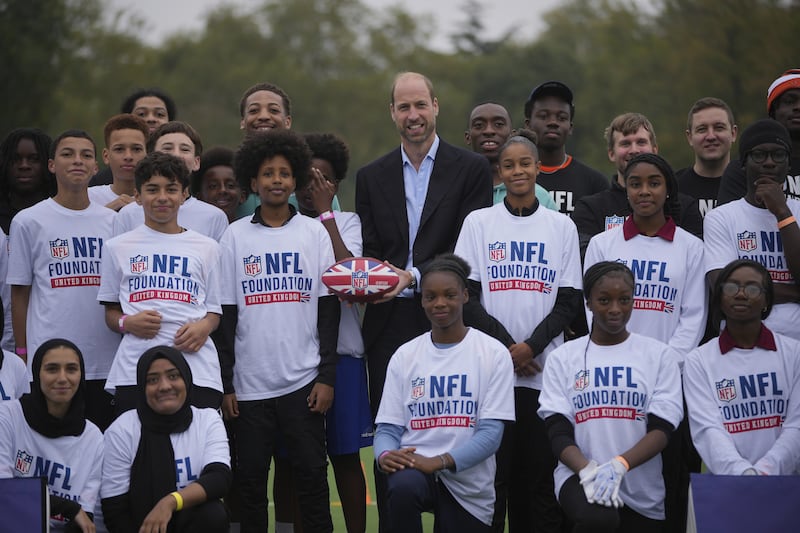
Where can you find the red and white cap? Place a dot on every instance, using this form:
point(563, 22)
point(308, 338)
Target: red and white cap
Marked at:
point(788, 80)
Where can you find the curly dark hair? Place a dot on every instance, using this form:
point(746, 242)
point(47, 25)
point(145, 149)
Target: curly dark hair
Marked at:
point(672, 205)
point(331, 148)
point(161, 164)
point(219, 156)
point(260, 146)
point(125, 121)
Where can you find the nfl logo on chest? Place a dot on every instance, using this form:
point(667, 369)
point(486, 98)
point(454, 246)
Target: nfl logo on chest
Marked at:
point(747, 241)
point(252, 265)
point(726, 390)
point(417, 388)
point(138, 264)
point(23, 462)
point(59, 248)
point(497, 251)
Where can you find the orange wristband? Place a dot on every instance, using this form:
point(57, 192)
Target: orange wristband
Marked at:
point(786, 221)
point(623, 461)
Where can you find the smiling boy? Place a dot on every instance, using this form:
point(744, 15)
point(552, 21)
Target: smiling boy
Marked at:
point(54, 269)
point(159, 286)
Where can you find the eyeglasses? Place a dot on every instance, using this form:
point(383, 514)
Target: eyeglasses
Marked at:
point(778, 156)
point(750, 290)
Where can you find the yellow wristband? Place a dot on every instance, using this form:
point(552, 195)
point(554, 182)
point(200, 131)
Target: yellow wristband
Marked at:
point(623, 461)
point(178, 499)
point(786, 221)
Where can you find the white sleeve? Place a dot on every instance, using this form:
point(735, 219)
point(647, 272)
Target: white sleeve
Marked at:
point(692, 314)
point(126, 219)
point(326, 259)
point(666, 401)
point(553, 399)
point(216, 449)
point(467, 248)
point(783, 458)
point(593, 256)
point(571, 275)
point(213, 282)
point(91, 491)
point(20, 262)
point(391, 410)
point(498, 402)
point(219, 224)
point(717, 241)
point(227, 282)
point(350, 230)
point(712, 440)
point(118, 456)
point(110, 277)
point(7, 431)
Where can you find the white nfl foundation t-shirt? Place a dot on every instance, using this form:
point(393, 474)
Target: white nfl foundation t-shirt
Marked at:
point(607, 393)
point(72, 465)
point(273, 276)
point(58, 251)
point(174, 274)
point(521, 262)
point(439, 395)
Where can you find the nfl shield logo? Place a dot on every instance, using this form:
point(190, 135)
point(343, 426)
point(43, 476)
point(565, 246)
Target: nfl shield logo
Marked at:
point(613, 221)
point(23, 462)
point(726, 390)
point(582, 380)
point(59, 248)
point(747, 241)
point(417, 388)
point(138, 264)
point(497, 251)
point(359, 279)
point(252, 265)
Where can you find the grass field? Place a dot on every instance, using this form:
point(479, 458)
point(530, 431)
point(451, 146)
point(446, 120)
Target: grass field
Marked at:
point(336, 506)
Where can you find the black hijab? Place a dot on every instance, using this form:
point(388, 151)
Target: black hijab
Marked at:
point(153, 469)
point(34, 404)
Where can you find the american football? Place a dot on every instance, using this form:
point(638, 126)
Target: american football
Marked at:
point(360, 279)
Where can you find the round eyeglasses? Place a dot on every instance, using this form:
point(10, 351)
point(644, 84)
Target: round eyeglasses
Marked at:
point(778, 156)
point(750, 290)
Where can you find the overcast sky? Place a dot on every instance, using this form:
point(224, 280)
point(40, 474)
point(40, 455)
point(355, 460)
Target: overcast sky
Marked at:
point(164, 17)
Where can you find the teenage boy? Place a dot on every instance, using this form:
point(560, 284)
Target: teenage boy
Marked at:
point(54, 269)
point(783, 105)
point(152, 105)
point(549, 112)
point(488, 129)
point(160, 287)
point(279, 332)
point(710, 131)
point(761, 226)
point(126, 141)
point(215, 182)
point(182, 141)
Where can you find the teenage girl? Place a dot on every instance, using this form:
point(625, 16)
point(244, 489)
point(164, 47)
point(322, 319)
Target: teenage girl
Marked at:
point(610, 401)
point(445, 399)
point(743, 387)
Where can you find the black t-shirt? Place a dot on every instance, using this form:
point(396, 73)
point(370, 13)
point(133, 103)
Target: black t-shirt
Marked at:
point(701, 188)
point(567, 185)
point(733, 185)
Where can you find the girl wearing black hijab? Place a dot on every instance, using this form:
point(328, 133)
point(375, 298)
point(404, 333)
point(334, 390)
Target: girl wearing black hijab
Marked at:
point(45, 433)
point(167, 463)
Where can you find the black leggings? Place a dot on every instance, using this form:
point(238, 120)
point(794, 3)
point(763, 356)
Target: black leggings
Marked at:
point(588, 517)
point(208, 517)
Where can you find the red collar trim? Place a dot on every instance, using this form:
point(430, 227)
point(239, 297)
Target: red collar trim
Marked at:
point(666, 232)
point(766, 340)
point(550, 170)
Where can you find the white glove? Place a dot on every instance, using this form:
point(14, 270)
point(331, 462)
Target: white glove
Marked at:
point(606, 484)
point(586, 475)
